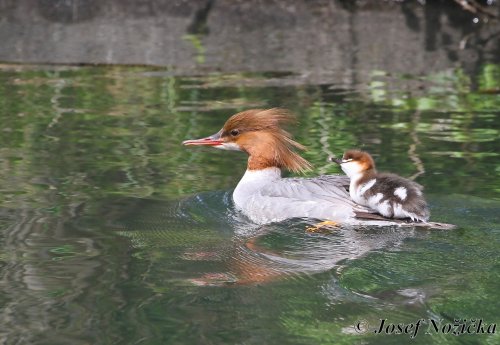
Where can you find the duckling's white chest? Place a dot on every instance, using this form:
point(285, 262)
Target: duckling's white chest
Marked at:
point(357, 189)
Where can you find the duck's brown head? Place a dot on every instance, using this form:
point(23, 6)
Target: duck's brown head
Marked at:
point(259, 133)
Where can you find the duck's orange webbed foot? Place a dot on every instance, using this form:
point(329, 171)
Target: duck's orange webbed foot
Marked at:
point(323, 227)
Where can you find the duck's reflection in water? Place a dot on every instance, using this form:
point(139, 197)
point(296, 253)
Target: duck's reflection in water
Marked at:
point(241, 252)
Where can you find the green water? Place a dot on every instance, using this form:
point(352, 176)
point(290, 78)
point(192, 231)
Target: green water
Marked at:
point(114, 233)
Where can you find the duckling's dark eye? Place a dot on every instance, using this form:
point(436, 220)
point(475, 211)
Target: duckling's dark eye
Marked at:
point(234, 132)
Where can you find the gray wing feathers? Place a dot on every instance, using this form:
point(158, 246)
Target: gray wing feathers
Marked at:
point(323, 197)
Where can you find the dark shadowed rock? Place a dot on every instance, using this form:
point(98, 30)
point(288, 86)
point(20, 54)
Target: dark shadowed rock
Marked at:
point(315, 39)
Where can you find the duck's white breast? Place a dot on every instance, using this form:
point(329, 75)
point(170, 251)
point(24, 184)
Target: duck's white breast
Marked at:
point(252, 182)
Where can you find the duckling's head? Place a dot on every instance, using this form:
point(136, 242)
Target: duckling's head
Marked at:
point(355, 162)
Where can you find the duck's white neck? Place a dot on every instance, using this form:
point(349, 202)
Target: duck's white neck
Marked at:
point(252, 181)
point(261, 174)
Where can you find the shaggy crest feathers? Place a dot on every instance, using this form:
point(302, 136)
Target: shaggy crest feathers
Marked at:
point(268, 122)
point(286, 158)
point(260, 119)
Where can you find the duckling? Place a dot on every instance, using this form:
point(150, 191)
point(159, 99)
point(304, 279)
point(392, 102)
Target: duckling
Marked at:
point(390, 195)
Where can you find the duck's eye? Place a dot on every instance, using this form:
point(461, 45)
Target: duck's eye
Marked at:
point(234, 132)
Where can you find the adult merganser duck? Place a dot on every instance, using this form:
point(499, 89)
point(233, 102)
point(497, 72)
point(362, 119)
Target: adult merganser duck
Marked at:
point(262, 194)
point(390, 195)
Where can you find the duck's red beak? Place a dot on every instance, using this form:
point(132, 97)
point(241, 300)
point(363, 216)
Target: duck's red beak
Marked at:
point(213, 140)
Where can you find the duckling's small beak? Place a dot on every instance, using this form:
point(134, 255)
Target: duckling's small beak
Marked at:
point(335, 160)
point(213, 140)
